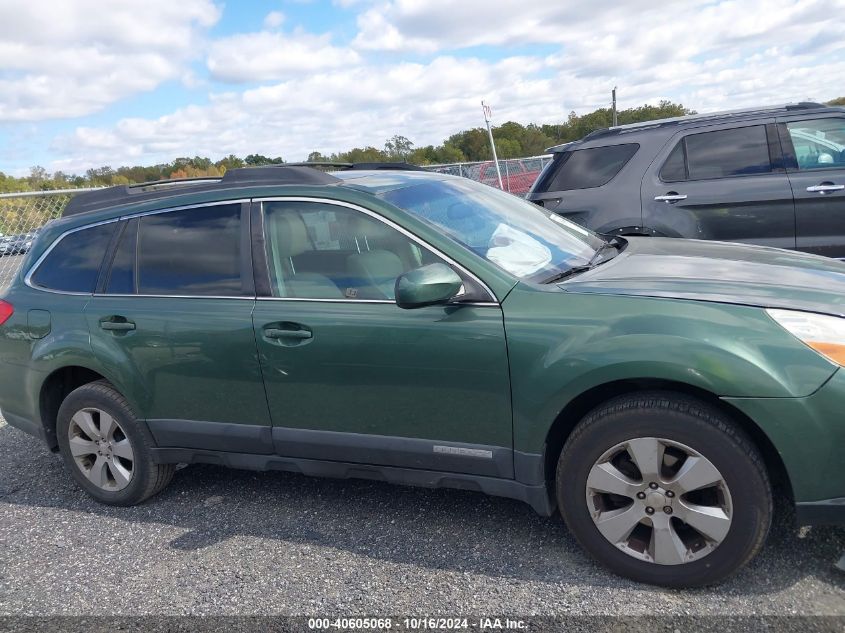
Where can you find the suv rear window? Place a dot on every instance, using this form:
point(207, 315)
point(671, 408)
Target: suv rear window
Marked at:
point(738, 151)
point(587, 168)
point(74, 263)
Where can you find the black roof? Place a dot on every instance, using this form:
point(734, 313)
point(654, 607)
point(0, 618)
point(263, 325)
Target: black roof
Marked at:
point(710, 117)
point(287, 174)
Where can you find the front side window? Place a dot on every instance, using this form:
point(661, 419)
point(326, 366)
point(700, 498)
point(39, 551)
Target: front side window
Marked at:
point(735, 152)
point(322, 251)
point(818, 143)
point(525, 240)
point(192, 252)
point(74, 262)
point(587, 168)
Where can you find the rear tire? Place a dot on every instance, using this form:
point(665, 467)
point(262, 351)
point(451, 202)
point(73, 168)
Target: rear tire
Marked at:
point(105, 449)
point(707, 471)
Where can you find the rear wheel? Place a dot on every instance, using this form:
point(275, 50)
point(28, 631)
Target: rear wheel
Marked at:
point(104, 448)
point(664, 489)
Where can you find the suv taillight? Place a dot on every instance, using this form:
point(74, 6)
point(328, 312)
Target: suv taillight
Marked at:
point(6, 310)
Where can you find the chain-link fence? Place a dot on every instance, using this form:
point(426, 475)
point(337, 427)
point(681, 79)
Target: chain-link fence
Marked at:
point(518, 174)
point(21, 217)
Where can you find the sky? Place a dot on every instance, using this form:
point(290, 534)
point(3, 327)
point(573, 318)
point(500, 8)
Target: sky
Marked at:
point(88, 83)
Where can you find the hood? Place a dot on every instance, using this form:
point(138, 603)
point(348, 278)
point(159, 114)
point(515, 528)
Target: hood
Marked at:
point(720, 272)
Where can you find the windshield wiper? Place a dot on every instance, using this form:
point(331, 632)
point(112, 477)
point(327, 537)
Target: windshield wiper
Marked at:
point(594, 261)
point(567, 273)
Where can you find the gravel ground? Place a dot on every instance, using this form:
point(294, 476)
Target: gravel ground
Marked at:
point(220, 542)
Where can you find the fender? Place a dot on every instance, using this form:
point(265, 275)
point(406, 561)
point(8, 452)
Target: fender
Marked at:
point(591, 340)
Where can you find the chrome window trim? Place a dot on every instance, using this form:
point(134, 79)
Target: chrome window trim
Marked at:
point(484, 304)
point(125, 296)
point(349, 205)
point(32, 269)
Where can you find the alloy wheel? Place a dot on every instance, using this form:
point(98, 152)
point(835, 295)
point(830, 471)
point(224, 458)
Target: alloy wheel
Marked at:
point(101, 449)
point(659, 501)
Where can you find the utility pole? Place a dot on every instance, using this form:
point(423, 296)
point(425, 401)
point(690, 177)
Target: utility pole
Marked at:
point(488, 114)
point(615, 122)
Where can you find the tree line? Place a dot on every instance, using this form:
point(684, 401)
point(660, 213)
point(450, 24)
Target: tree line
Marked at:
point(512, 139)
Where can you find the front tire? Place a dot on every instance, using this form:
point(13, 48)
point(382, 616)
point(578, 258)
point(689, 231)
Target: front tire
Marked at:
point(664, 489)
point(104, 448)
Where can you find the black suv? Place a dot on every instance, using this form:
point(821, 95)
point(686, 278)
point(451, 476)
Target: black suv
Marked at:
point(771, 176)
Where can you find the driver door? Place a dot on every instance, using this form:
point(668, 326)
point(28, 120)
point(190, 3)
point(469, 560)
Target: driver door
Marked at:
point(352, 377)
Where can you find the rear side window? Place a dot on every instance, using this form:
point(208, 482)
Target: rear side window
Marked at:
point(122, 275)
point(739, 151)
point(675, 167)
point(74, 262)
point(194, 252)
point(588, 168)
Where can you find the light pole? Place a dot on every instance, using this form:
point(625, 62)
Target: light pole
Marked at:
point(615, 123)
point(488, 114)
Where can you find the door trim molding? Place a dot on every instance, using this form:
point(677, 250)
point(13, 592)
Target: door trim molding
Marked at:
point(390, 450)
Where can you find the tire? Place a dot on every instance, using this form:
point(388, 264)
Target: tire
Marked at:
point(110, 446)
point(692, 439)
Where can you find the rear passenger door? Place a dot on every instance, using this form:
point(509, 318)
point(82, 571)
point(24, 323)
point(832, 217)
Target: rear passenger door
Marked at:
point(726, 183)
point(814, 151)
point(172, 320)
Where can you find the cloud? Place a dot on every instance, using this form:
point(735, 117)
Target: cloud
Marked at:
point(327, 111)
point(410, 71)
point(270, 55)
point(616, 29)
point(274, 19)
point(71, 58)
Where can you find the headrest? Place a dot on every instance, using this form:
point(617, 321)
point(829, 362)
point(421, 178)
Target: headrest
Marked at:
point(363, 225)
point(291, 234)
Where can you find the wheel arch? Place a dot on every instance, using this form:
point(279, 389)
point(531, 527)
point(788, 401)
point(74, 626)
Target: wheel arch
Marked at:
point(55, 388)
point(579, 406)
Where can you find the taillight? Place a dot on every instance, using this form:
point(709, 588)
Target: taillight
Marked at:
point(6, 310)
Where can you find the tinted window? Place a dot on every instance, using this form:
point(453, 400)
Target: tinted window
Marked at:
point(735, 152)
point(818, 143)
point(74, 262)
point(191, 252)
point(320, 251)
point(587, 168)
point(675, 168)
point(122, 274)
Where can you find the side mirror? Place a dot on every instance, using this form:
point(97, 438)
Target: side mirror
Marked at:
point(427, 285)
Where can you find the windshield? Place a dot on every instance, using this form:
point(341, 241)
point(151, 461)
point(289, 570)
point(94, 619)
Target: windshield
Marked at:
point(518, 236)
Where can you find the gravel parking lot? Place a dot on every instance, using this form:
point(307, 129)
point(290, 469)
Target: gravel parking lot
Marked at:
point(222, 542)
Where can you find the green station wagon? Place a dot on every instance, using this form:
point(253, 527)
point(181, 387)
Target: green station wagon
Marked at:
point(427, 330)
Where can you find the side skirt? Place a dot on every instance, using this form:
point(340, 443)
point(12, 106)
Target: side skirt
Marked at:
point(537, 497)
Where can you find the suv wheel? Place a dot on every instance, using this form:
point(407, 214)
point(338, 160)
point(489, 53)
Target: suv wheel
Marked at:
point(105, 449)
point(663, 489)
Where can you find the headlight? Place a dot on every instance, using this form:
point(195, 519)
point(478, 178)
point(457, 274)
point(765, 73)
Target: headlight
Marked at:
point(825, 334)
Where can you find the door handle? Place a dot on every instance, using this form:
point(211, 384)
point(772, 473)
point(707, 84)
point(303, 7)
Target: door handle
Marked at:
point(825, 187)
point(117, 326)
point(671, 197)
point(279, 333)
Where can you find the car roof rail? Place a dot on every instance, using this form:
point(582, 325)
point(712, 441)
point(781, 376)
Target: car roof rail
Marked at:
point(238, 177)
point(336, 166)
point(700, 118)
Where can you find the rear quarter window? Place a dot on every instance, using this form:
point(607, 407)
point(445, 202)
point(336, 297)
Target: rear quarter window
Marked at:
point(73, 264)
point(587, 168)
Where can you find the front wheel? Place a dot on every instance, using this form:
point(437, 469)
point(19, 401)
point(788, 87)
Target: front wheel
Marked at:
point(665, 490)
